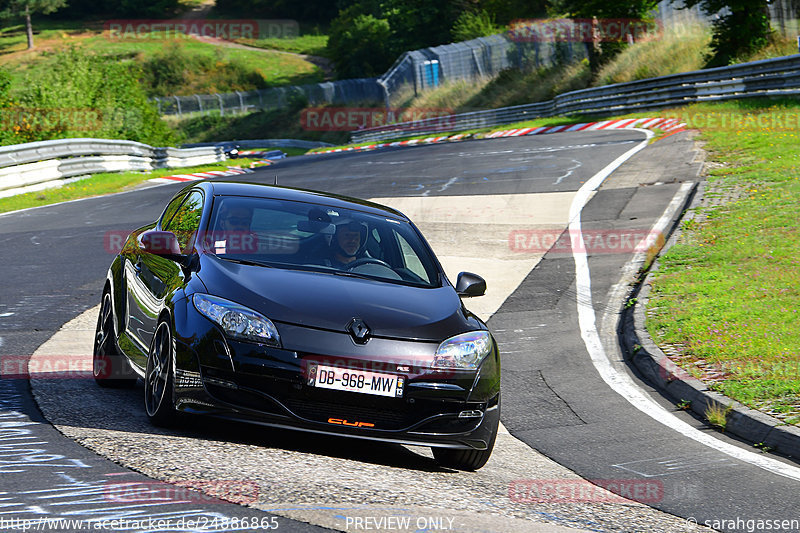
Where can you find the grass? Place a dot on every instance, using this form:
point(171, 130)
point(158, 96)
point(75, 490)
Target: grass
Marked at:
point(106, 183)
point(223, 69)
point(304, 44)
point(681, 50)
point(717, 415)
point(727, 295)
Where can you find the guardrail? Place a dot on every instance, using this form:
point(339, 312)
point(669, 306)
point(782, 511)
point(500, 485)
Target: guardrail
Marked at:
point(25, 165)
point(768, 77)
point(266, 143)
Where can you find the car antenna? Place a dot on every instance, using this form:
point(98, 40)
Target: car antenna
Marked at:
point(276, 180)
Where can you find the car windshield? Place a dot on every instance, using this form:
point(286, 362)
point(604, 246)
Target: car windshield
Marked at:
point(331, 240)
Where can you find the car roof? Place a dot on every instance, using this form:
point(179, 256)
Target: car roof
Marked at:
point(279, 192)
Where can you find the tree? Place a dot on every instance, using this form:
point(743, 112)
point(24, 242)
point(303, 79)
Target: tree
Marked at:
point(25, 8)
point(741, 29)
point(600, 10)
point(359, 44)
point(418, 24)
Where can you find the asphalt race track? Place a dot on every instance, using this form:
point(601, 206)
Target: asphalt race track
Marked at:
point(486, 206)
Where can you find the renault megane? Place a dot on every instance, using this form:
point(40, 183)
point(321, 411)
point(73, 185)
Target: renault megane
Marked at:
point(301, 310)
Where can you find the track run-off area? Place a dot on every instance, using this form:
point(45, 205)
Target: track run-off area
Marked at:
point(571, 408)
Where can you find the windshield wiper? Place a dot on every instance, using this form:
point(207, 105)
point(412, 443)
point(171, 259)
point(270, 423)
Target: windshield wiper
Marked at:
point(248, 262)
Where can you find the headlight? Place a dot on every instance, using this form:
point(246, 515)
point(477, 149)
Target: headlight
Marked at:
point(465, 351)
point(237, 320)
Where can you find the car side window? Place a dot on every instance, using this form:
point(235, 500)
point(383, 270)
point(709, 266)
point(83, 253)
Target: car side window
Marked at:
point(411, 259)
point(186, 221)
point(170, 210)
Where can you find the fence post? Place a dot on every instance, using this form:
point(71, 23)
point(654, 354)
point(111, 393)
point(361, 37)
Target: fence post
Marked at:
point(386, 101)
point(221, 106)
point(199, 102)
point(178, 101)
point(241, 101)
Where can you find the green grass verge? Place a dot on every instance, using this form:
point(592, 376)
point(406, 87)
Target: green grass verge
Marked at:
point(726, 297)
point(106, 183)
point(304, 44)
point(214, 68)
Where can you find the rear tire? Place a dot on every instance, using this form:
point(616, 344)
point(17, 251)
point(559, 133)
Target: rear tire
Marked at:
point(470, 460)
point(158, 381)
point(110, 368)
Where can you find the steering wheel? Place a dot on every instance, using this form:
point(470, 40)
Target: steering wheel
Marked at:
point(367, 261)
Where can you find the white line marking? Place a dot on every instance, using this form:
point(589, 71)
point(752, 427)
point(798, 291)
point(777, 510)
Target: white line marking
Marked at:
point(618, 380)
point(449, 183)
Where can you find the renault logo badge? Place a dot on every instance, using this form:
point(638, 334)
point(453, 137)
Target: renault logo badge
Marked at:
point(359, 331)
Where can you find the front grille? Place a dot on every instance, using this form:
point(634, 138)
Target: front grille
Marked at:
point(320, 405)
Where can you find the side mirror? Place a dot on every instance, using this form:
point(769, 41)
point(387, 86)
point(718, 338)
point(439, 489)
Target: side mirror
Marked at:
point(159, 243)
point(469, 285)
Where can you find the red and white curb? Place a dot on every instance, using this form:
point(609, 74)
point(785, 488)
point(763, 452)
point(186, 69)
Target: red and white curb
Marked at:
point(201, 175)
point(261, 162)
point(670, 125)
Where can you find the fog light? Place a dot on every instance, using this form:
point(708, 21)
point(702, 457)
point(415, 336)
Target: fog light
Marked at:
point(470, 414)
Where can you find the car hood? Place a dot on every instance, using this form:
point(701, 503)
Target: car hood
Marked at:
point(331, 302)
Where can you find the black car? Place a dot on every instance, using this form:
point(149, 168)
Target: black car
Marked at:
point(302, 310)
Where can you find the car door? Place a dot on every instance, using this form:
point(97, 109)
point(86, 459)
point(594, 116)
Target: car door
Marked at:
point(151, 278)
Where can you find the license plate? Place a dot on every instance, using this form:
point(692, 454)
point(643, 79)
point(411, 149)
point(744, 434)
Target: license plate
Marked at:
point(328, 377)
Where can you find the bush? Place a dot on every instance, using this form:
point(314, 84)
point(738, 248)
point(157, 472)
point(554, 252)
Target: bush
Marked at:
point(176, 70)
point(86, 95)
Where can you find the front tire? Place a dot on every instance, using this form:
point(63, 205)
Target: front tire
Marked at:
point(109, 367)
point(158, 381)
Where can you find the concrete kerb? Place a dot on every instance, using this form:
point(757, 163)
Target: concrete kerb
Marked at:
point(667, 125)
point(677, 384)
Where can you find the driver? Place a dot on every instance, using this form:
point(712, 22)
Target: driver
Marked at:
point(234, 235)
point(347, 243)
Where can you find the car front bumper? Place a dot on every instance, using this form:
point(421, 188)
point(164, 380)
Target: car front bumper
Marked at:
point(217, 376)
